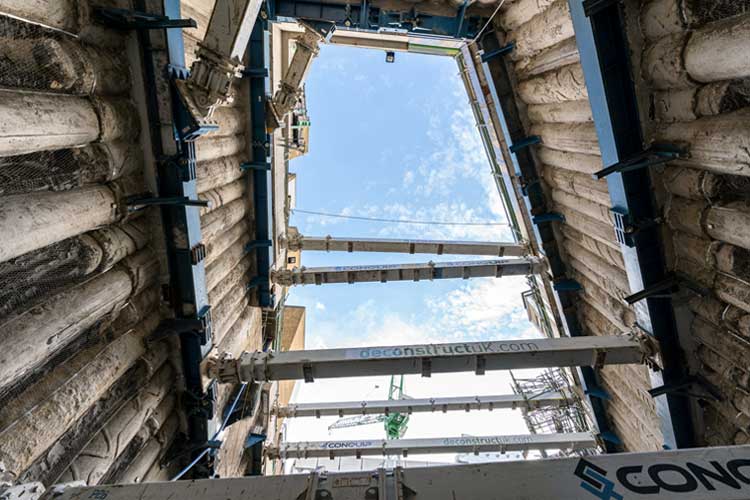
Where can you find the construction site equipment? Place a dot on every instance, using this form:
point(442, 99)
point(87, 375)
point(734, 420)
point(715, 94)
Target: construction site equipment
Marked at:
point(296, 241)
point(407, 272)
point(394, 422)
point(219, 60)
point(459, 444)
point(721, 473)
point(422, 405)
point(285, 99)
point(426, 359)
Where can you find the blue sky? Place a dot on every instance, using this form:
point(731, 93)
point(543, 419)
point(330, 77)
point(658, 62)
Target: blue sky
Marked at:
point(399, 141)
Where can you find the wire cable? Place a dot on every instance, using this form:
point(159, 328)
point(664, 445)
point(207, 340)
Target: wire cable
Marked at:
point(216, 434)
point(474, 40)
point(402, 221)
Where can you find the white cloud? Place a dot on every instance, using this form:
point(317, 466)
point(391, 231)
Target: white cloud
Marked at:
point(319, 306)
point(486, 308)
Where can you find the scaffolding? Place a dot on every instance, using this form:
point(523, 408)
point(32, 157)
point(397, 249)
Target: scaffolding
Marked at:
point(568, 417)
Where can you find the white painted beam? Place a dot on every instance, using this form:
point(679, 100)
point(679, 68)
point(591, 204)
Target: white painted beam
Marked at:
point(408, 272)
point(390, 245)
point(426, 359)
point(460, 444)
point(421, 405)
point(667, 475)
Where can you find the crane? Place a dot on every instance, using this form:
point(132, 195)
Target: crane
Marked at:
point(395, 424)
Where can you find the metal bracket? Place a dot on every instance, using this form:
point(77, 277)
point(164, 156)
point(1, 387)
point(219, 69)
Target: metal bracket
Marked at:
point(181, 164)
point(255, 165)
point(666, 288)
point(200, 325)
point(197, 253)
point(525, 143)
point(498, 52)
point(140, 201)
point(255, 72)
point(201, 404)
point(710, 390)
point(567, 285)
point(258, 244)
point(125, 19)
point(657, 154)
point(548, 217)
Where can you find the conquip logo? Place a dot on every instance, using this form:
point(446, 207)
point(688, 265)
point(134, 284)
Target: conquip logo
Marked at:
point(595, 481)
point(667, 479)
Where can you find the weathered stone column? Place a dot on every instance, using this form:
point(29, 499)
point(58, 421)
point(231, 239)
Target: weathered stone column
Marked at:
point(28, 437)
point(40, 122)
point(718, 143)
point(99, 455)
point(215, 173)
point(223, 195)
point(562, 85)
point(576, 162)
point(221, 242)
point(31, 338)
point(684, 105)
point(223, 218)
point(141, 464)
point(718, 51)
point(572, 137)
point(549, 27)
point(562, 112)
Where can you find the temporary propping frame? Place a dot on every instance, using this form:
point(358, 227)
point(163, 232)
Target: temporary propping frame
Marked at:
point(721, 473)
point(524, 168)
point(603, 48)
point(259, 168)
point(172, 140)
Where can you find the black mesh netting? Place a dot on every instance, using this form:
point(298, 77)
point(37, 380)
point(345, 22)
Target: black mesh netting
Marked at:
point(31, 278)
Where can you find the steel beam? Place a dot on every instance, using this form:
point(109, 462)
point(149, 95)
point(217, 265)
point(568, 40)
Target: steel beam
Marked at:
point(421, 405)
point(438, 247)
point(460, 444)
point(408, 272)
point(605, 58)
point(695, 474)
point(524, 169)
point(426, 359)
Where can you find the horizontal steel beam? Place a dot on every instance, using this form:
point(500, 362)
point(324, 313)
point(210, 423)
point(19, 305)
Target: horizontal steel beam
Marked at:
point(426, 359)
point(439, 247)
point(693, 474)
point(408, 272)
point(421, 405)
point(461, 444)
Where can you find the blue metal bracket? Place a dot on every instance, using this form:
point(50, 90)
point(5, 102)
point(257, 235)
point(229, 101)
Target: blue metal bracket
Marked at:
point(525, 143)
point(255, 72)
point(137, 202)
point(254, 165)
point(124, 19)
point(498, 52)
point(597, 392)
point(258, 244)
point(567, 285)
point(254, 283)
point(610, 437)
point(666, 288)
point(657, 154)
point(548, 217)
